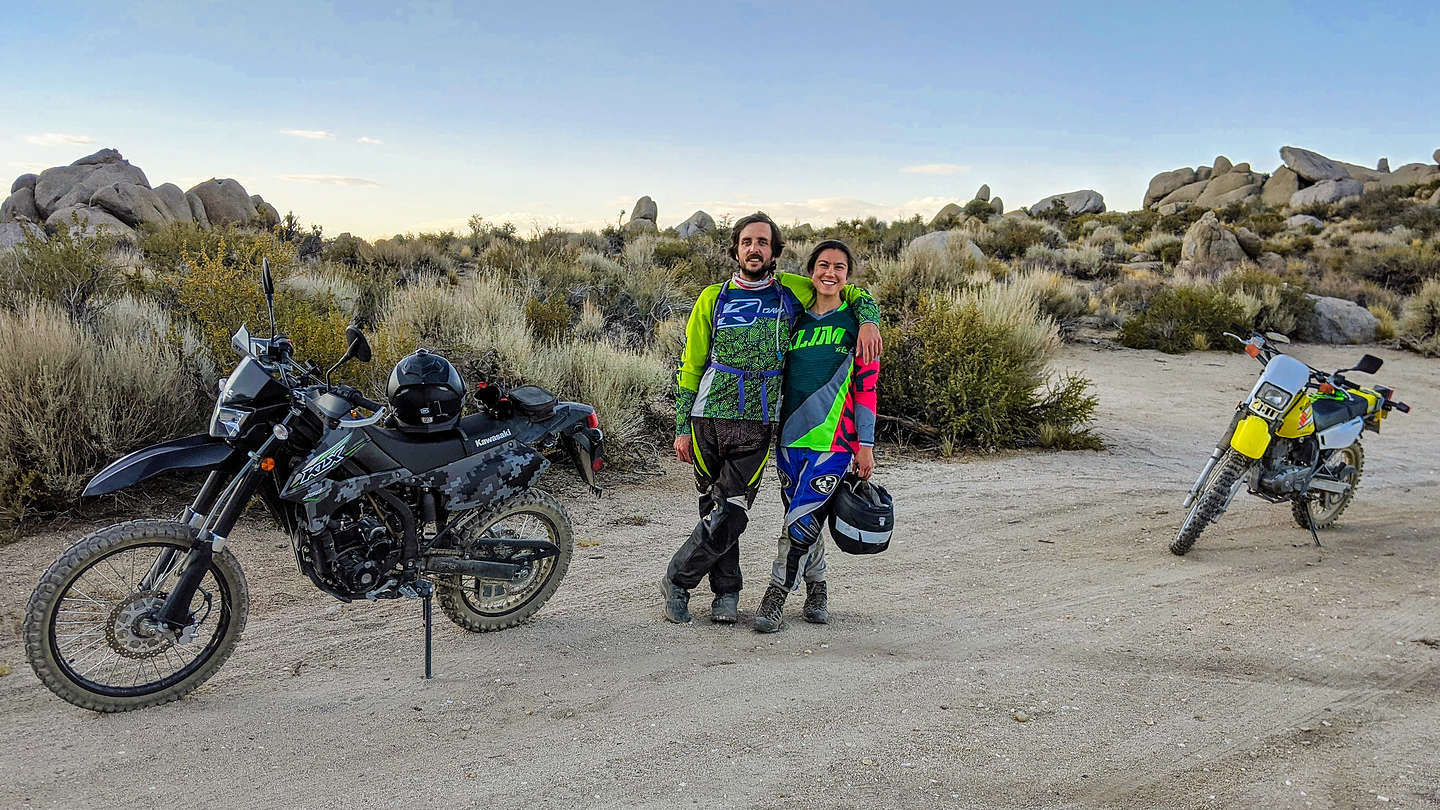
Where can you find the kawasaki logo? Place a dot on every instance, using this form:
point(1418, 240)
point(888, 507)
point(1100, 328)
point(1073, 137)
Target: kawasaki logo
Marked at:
point(494, 437)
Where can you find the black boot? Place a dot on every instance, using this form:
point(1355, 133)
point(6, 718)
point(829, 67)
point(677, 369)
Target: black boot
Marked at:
point(677, 602)
point(723, 609)
point(771, 615)
point(815, 611)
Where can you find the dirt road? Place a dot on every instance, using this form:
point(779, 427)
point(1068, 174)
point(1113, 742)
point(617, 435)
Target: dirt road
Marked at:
point(1027, 642)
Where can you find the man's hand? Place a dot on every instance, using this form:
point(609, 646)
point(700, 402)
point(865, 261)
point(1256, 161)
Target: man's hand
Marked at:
point(868, 342)
point(864, 461)
point(682, 449)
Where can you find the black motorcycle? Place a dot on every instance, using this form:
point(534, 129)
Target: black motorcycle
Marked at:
point(410, 501)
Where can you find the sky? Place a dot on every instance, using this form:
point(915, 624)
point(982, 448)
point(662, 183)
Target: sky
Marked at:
point(394, 117)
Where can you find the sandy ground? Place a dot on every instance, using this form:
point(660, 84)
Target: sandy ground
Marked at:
point(1257, 672)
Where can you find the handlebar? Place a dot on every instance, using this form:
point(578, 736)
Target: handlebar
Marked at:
point(354, 397)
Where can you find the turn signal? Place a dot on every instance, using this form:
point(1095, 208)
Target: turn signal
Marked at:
point(267, 464)
point(593, 420)
point(1252, 350)
point(1327, 388)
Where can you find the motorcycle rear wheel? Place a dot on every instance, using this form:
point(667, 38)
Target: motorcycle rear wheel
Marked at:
point(1228, 473)
point(482, 605)
point(1327, 506)
point(86, 626)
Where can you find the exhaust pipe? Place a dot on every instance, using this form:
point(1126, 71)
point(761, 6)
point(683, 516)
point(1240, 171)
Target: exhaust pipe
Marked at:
point(480, 569)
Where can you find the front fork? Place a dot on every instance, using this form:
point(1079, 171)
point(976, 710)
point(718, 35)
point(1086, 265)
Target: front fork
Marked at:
point(1220, 448)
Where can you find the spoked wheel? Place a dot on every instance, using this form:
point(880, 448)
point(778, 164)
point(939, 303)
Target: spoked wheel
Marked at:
point(480, 604)
point(1227, 478)
point(1327, 506)
point(90, 633)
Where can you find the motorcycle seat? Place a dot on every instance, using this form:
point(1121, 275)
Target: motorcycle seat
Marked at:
point(1331, 412)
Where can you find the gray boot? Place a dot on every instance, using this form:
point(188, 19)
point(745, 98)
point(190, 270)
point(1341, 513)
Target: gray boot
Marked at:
point(723, 610)
point(677, 602)
point(771, 615)
point(815, 610)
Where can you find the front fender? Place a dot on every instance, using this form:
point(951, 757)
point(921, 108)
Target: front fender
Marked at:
point(1251, 436)
point(198, 452)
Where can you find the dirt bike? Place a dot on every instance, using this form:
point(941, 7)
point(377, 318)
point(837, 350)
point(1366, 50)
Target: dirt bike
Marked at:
point(143, 612)
point(1295, 438)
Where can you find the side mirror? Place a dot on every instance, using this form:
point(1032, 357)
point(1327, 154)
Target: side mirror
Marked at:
point(267, 281)
point(359, 346)
point(1369, 364)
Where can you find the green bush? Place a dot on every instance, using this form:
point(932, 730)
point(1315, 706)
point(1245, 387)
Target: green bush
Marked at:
point(71, 270)
point(1012, 236)
point(1403, 268)
point(1420, 320)
point(1133, 226)
point(549, 318)
point(1384, 209)
point(980, 209)
point(1268, 302)
point(1180, 221)
point(900, 284)
point(1179, 319)
point(974, 374)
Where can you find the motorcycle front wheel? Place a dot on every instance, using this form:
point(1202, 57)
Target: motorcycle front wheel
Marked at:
point(481, 605)
point(1228, 475)
point(88, 629)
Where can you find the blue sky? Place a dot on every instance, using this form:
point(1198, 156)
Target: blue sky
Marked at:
point(378, 118)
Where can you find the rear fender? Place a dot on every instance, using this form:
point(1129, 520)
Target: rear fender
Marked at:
point(198, 452)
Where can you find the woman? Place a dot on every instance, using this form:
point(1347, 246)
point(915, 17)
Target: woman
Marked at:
point(827, 426)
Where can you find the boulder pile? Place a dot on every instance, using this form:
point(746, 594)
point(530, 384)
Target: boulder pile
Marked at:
point(106, 190)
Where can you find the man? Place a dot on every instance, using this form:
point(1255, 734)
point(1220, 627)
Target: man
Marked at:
point(726, 405)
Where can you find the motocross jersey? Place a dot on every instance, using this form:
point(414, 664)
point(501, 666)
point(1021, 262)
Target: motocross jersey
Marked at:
point(735, 346)
point(829, 401)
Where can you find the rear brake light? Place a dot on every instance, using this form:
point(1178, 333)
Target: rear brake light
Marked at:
point(593, 420)
point(1252, 350)
point(597, 464)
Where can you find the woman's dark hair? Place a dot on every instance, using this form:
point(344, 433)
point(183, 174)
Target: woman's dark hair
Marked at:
point(832, 244)
point(777, 241)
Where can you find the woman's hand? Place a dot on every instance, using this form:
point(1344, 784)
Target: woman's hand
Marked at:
point(682, 449)
point(868, 343)
point(865, 461)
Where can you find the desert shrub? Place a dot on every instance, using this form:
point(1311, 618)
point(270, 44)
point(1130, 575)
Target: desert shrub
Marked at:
point(629, 390)
point(1088, 262)
point(1120, 301)
point(1268, 302)
point(899, 284)
point(1012, 236)
point(1160, 245)
point(1420, 320)
point(1110, 241)
point(1265, 222)
point(72, 400)
point(71, 270)
point(1289, 244)
point(548, 318)
point(1387, 326)
point(1403, 268)
point(975, 366)
point(326, 284)
point(351, 251)
point(1057, 296)
point(1384, 209)
point(1180, 221)
point(1132, 226)
point(1178, 319)
point(1397, 236)
point(980, 209)
point(1337, 284)
point(407, 259)
point(670, 252)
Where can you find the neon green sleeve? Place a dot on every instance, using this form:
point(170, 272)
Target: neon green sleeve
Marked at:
point(866, 310)
point(698, 332)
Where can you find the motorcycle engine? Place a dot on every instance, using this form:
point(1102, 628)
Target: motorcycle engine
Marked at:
point(1292, 471)
point(364, 550)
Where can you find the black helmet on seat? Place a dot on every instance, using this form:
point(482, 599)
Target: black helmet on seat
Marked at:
point(426, 393)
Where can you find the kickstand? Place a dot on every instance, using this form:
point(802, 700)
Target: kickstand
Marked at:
point(425, 595)
point(1310, 521)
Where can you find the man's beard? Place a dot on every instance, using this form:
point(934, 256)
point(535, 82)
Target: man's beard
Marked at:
point(757, 275)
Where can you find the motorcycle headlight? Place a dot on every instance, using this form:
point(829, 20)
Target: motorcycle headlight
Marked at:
point(227, 422)
point(1274, 396)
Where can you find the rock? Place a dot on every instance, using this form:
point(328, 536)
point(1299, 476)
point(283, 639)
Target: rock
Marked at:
point(1085, 201)
point(197, 209)
point(698, 223)
point(640, 226)
point(1186, 194)
point(952, 212)
point(100, 158)
point(1207, 242)
point(983, 193)
point(1204, 173)
point(1279, 188)
point(1371, 186)
point(1383, 165)
point(1325, 192)
point(64, 186)
point(645, 208)
point(1166, 209)
point(13, 233)
point(91, 219)
point(1362, 173)
point(1249, 242)
point(20, 205)
point(1336, 320)
point(1436, 155)
point(1301, 220)
point(1221, 166)
point(131, 204)
point(1021, 716)
point(1273, 262)
point(998, 206)
point(1141, 267)
point(226, 201)
point(24, 181)
point(941, 241)
point(1214, 195)
point(1312, 166)
point(1166, 182)
point(311, 246)
point(268, 216)
point(1411, 174)
point(174, 200)
point(1435, 198)
point(1241, 167)
point(1250, 192)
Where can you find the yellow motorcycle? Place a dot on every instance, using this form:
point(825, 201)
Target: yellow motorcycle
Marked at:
point(1295, 438)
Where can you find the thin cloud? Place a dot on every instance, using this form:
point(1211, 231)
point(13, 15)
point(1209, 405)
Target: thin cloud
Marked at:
point(331, 180)
point(369, 140)
point(57, 139)
point(312, 134)
point(936, 168)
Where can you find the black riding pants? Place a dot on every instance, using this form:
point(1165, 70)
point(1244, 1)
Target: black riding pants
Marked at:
point(730, 456)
